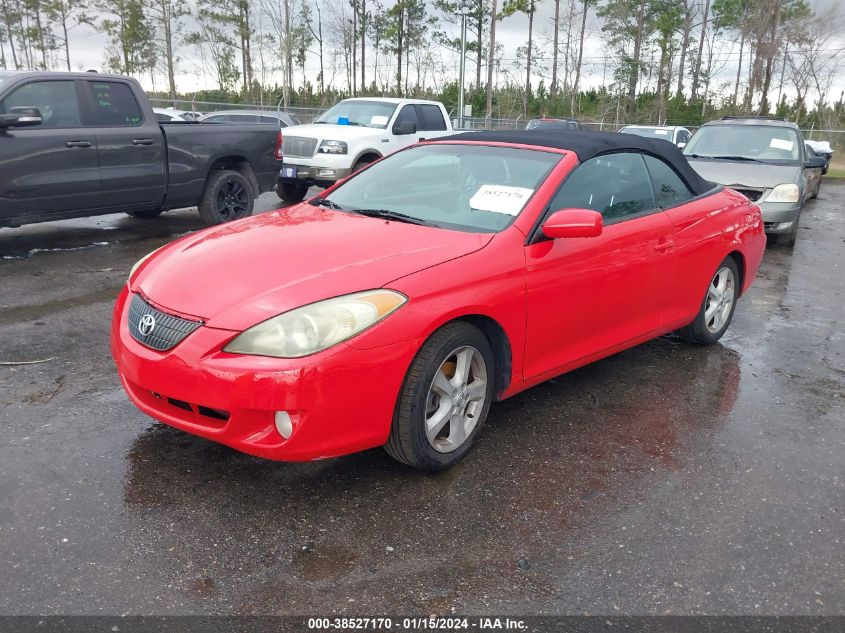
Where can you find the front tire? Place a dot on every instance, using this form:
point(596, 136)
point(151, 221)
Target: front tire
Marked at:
point(717, 308)
point(444, 400)
point(291, 192)
point(227, 196)
point(788, 239)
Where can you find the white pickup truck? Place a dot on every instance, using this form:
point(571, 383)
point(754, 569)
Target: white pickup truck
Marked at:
point(350, 135)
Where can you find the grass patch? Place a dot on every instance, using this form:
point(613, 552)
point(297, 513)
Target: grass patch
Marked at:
point(835, 172)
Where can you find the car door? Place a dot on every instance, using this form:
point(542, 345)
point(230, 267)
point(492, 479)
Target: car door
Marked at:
point(431, 122)
point(696, 229)
point(590, 295)
point(51, 168)
point(406, 114)
point(130, 146)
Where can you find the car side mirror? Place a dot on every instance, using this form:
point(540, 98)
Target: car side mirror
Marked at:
point(405, 127)
point(21, 116)
point(816, 162)
point(573, 223)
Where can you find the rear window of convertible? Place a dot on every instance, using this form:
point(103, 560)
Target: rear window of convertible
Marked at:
point(475, 188)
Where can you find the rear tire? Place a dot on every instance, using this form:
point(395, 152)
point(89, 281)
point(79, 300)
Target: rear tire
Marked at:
point(228, 196)
point(717, 308)
point(291, 192)
point(444, 399)
point(147, 214)
point(362, 162)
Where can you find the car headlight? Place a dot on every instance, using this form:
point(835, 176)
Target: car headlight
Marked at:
point(318, 326)
point(333, 147)
point(784, 193)
point(137, 264)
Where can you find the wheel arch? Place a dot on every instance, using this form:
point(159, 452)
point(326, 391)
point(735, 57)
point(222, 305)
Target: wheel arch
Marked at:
point(739, 259)
point(234, 163)
point(499, 342)
point(367, 153)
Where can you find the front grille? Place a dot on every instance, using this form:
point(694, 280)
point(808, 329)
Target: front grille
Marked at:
point(163, 332)
point(298, 146)
point(751, 194)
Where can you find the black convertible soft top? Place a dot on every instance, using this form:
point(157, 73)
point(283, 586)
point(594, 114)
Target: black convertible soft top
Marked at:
point(589, 144)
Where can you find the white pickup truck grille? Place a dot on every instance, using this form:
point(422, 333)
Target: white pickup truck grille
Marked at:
point(298, 146)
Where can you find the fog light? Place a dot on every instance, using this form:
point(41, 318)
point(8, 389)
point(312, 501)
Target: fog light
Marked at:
point(783, 226)
point(284, 425)
point(325, 172)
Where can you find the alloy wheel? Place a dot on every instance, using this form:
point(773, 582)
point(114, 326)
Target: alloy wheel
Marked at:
point(720, 297)
point(456, 399)
point(232, 200)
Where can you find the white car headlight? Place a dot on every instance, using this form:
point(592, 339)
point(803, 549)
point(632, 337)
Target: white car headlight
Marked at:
point(142, 260)
point(784, 193)
point(333, 147)
point(318, 326)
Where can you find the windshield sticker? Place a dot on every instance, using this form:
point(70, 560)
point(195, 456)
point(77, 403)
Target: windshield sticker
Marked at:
point(662, 132)
point(500, 199)
point(378, 120)
point(779, 143)
point(343, 120)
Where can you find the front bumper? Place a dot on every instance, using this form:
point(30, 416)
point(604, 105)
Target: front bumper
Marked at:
point(340, 400)
point(323, 175)
point(778, 217)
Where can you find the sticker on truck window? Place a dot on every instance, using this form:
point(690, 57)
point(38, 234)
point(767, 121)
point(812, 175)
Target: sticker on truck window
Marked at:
point(662, 132)
point(500, 199)
point(378, 120)
point(779, 143)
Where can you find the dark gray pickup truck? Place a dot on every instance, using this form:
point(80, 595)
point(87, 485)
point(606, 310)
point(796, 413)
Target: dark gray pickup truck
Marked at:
point(78, 144)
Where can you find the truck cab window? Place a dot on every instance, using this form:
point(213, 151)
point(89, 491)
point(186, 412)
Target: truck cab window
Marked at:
point(56, 100)
point(113, 104)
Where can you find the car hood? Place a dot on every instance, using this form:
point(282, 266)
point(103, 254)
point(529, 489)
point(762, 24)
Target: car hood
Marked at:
point(333, 132)
point(239, 274)
point(733, 173)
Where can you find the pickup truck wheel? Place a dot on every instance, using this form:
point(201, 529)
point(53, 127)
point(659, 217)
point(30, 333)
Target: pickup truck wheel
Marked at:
point(362, 162)
point(227, 197)
point(147, 214)
point(291, 192)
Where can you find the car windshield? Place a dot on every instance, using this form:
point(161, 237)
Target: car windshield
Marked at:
point(474, 188)
point(359, 112)
point(649, 132)
point(4, 77)
point(765, 143)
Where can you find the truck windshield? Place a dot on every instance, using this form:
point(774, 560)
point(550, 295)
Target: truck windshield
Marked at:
point(359, 112)
point(473, 188)
point(764, 143)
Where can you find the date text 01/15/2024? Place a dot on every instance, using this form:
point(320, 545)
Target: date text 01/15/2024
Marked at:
point(416, 624)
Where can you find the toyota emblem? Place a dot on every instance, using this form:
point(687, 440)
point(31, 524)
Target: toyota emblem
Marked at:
point(146, 325)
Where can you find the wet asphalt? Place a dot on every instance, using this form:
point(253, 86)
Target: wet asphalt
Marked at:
point(668, 479)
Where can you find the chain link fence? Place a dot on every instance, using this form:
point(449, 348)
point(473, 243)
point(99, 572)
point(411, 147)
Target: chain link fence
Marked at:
point(836, 138)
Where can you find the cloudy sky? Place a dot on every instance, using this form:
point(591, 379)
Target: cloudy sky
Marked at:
point(87, 51)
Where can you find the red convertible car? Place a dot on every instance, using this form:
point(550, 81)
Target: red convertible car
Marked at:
point(394, 308)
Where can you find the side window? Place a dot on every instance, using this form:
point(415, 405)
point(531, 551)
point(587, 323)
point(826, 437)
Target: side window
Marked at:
point(245, 118)
point(272, 119)
point(114, 104)
point(407, 113)
point(616, 185)
point(668, 186)
point(219, 118)
point(430, 118)
point(56, 100)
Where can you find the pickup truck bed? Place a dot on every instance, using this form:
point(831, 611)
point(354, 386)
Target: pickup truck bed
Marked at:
point(78, 144)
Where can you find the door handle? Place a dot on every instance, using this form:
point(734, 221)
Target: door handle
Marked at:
point(78, 143)
point(664, 245)
point(142, 141)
